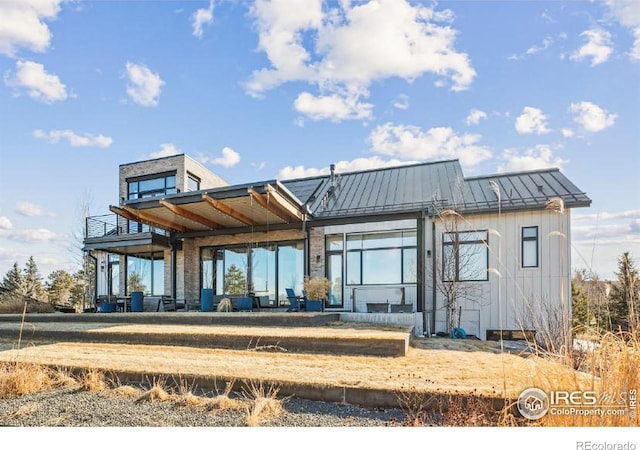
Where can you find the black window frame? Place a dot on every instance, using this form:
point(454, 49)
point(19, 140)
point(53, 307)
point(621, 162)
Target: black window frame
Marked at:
point(535, 239)
point(457, 242)
point(195, 179)
point(360, 252)
point(138, 194)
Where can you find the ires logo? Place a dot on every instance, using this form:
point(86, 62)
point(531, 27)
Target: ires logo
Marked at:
point(575, 398)
point(534, 403)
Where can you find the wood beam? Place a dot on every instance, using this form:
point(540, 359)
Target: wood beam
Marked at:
point(182, 212)
point(271, 207)
point(153, 221)
point(229, 211)
point(283, 203)
point(122, 213)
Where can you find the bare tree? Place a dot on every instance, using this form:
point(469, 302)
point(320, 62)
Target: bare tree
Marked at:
point(463, 261)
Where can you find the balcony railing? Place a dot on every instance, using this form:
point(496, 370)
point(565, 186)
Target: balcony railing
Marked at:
point(114, 225)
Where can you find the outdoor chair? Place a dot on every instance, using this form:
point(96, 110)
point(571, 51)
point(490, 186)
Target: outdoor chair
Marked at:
point(295, 303)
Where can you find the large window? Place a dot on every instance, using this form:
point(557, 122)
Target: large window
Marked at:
point(465, 256)
point(529, 246)
point(264, 269)
point(382, 258)
point(369, 258)
point(146, 274)
point(152, 186)
point(334, 245)
point(114, 274)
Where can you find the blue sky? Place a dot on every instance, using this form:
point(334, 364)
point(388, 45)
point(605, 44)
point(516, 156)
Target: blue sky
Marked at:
point(256, 90)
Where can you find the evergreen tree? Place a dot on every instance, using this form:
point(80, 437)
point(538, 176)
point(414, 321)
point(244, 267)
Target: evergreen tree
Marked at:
point(60, 286)
point(582, 314)
point(33, 281)
point(624, 304)
point(13, 281)
point(235, 283)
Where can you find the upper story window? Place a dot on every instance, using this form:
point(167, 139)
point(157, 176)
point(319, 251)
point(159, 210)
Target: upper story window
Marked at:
point(193, 183)
point(152, 186)
point(465, 256)
point(530, 246)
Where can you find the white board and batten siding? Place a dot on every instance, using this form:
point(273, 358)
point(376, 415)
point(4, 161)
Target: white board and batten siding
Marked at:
point(507, 299)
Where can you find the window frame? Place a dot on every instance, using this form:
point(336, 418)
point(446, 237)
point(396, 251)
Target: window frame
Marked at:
point(359, 255)
point(535, 239)
point(456, 242)
point(195, 179)
point(150, 193)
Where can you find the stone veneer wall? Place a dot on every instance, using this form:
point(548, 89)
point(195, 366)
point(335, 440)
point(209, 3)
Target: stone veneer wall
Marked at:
point(191, 253)
point(316, 248)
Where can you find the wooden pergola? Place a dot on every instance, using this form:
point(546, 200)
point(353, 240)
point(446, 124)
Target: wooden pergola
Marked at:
point(266, 204)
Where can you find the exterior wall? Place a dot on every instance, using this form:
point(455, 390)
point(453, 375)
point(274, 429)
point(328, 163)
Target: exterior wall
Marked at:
point(512, 299)
point(357, 296)
point(191, 252)
point(181, 164)
point(208, 179)
point(316, 252)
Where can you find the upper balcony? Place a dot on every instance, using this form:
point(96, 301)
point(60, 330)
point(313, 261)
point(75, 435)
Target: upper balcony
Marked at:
point(116, 234)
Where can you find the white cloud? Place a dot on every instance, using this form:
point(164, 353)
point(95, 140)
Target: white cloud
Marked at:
point(168, 149)
point(22, 25)
point(145, 86)
point(38, 84)
point(202, 17)
point(332, 107)
point(546, 43)
point(598, 47)
point(39, 235)
point(538, 157)
point(634, 226)
point(567, 132)
point(358, 164)
point(401, 102)
point(32, 210)
point(403, 41)
point(475, 116)
point(411, 142)
point(591, 117)
point(629, 214)
point(5, 223)
point(627, 13)
point(532, 120)
point(75, 140)
point(228, 159)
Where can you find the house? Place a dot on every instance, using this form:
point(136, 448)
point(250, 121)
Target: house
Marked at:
point(482, 253)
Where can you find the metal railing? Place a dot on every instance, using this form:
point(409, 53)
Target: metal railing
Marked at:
point(114, 225)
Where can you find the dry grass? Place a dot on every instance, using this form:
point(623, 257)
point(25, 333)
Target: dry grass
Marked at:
point(14, 305)
point(126, 391)
point(93, 381)
point(157, 392)
point(263, 404)
point(612, 370)
point(18, 378)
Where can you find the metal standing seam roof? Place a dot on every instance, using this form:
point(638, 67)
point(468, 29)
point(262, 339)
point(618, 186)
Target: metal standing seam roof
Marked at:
point(432, 186)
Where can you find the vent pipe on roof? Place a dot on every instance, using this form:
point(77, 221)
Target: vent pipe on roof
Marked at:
point(332, 168)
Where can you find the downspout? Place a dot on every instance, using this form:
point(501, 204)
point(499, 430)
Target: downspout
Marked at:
point(174, 259)
point(434, 274)
point(421, 285)
point(95, 279)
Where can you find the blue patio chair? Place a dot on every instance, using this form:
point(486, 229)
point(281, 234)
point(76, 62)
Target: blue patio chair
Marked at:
point(294, 301)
